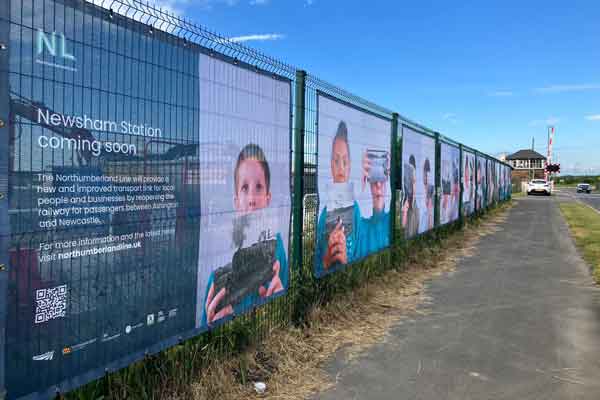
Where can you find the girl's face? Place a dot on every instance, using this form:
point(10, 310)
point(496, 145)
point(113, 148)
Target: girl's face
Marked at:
point(251, 192)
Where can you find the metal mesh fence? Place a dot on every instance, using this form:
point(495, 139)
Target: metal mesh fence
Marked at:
point(109, 141)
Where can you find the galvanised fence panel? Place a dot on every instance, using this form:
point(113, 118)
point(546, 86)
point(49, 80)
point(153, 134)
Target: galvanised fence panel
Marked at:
point(419, 177)
point(159, 182)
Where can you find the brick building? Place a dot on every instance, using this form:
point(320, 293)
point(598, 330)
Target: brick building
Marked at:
point(527, 165)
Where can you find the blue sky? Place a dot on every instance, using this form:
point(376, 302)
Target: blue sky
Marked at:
point(490, 74)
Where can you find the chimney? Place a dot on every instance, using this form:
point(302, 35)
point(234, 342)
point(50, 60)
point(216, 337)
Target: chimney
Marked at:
point(533, 143)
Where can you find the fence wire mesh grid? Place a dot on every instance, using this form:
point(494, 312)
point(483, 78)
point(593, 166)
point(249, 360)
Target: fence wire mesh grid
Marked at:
point(131, 140)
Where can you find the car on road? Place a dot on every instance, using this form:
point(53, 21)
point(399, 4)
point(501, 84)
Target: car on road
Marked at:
point(584, 188)
point(539, 186)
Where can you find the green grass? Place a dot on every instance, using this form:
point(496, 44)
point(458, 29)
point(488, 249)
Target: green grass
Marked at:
point(585, 229)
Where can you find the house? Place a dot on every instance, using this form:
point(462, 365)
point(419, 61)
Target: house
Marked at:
point(527, 165)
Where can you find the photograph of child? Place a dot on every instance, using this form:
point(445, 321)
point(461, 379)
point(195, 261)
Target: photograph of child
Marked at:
point(252, 193)
point(354, 196)
point(450, 158)
point(481, 183)
point(245, 197)
point(488, 183)
point(498, 179)
point(410, 208)
point(468, 183)
point(418, 180)
point(427, 219)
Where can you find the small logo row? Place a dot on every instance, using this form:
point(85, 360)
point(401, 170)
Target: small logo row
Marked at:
point(151, 319)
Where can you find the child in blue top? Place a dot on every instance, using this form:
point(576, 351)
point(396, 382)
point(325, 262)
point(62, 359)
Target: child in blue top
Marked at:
point(252, 180)
point(336, 250)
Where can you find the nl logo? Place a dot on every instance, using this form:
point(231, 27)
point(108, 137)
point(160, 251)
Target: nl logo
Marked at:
point(54, 46)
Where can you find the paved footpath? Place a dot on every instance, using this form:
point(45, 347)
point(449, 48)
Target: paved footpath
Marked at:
point(518, 320)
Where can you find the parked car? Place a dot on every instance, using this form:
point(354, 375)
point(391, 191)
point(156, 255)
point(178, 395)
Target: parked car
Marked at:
point(539, 186)
point(584, 188)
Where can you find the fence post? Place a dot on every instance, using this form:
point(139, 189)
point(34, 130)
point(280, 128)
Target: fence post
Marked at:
point(5, 126)
point(462, 184)
point(393, 177)
point(299, 121)
point(438, 179)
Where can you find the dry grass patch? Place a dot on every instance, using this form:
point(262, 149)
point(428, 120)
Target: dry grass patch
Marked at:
point(290, 360)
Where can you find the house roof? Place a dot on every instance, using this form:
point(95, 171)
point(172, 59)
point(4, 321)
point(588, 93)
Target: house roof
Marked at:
point(526, 154)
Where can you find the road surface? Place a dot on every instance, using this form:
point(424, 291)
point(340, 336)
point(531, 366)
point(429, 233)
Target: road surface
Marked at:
point(592, 199)
point(518, 320)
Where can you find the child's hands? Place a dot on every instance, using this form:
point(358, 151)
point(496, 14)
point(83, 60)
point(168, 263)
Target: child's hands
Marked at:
point(212, 302)
point(336, 247)
point(275, 286)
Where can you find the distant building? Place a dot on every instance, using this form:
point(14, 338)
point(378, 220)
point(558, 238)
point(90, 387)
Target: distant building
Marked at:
point(527, 164)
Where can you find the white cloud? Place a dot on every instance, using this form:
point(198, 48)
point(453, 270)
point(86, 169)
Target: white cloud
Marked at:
point(545, 122)
point(257, 37)
point(501, 93)
point(171, 6)
point(450, 117)
point(595, 117)
point(566, 88)
point(258, 2)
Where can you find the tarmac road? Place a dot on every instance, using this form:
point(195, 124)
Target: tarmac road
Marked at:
point(518, 320)
point(592, 199)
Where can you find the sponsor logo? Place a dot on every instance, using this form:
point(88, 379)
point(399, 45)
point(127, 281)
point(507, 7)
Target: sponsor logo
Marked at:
point(173, 313)
point(150, 319)
point(71, 349)
point(44, 357)
point(107, 338)
point(161, 316)
point(54, 45)
point(131, 328)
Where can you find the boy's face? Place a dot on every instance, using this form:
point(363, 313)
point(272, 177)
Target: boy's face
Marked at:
point(340, 162)
point(251, 192)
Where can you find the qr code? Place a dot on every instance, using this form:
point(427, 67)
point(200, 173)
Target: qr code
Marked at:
point(51, 303)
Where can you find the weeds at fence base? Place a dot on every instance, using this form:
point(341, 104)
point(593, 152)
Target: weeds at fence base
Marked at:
point(356, 311)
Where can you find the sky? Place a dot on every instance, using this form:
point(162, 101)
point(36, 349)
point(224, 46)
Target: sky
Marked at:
point(490, 74)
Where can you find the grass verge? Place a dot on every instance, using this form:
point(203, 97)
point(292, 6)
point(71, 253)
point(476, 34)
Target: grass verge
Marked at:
point(584, 224)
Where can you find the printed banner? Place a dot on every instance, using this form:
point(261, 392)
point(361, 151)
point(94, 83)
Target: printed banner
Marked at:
point(104, 214)
point(469, 183)
point(244, 178)
point(354, 164)
point(491, 181)
point(499, 182)
point(481, 183)
point(418, 182)
point(450, 180)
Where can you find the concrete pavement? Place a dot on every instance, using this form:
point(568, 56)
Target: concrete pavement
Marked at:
point(520, 319)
